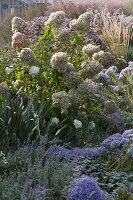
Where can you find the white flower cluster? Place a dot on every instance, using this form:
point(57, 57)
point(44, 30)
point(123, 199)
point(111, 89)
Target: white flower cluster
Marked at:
point(92, 125)
point(82, 24)
point(9, 69)
point(87, 87)
point(61, 100)
point(18, 84)
point(59, 61)
point(77, 124)
point(70, 76)
point(20, 37)
point(89, 68)
point(4, 88)
point(62, 35)
point(105, 58)
point(18, 25)
point(90, 49)
point(98, 55)
point(70, 67)
point(55, 121)
point(56, 19)
point(72, 79)
point(74, 97)
point(34, 70)
point(27, 56)
point(19, 40)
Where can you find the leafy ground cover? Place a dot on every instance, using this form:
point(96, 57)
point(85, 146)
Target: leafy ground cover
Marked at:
point(66, 102)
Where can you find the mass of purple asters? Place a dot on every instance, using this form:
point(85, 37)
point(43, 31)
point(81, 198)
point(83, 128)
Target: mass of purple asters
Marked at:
point(116, 140)
point(62, 152)
point(97, 41)
point(128, 71)
point(102, 78)
point(85, 188)
point(37, 26)
point(105, 75)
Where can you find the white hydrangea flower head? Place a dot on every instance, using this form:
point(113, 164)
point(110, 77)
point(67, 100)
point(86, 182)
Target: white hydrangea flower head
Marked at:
point(18, 83)
point(90, 49)
point(59, 62)
point(9, 69)
point(82, 24)
point(18, 24)
point(97, 56)
point(75, 97)
point(27, 56)
point(61, 100)
point(4, 89)
point(72, 79)
point(87, 87)
point(92, 125)
point(34, 70)
point(70, 67)
point(62, 35)
point(56, 19)
point(55, 121)
point(19, 40)
point(77, 124)
point(89, 68)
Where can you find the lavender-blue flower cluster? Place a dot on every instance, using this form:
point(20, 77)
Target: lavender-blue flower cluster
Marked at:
point(84, 188)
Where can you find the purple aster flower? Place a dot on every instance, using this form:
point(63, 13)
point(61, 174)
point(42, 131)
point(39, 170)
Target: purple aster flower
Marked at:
point(128, 134)
point(111, 70)
point(95, 38)
point(84, 188)
point(130, 64)
point(115, 140)
point(102, 78)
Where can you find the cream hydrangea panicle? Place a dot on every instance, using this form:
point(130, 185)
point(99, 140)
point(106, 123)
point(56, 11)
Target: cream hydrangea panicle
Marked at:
point(77, 124)
point(56, 19)
point(72, 79)
point(4, 89)
point(82, 24)
point(75, 97)
point(62, 35)
point(92, 125)
point(18, 24)
point(18, 84)
point(105, 58)
point(61, 100)
point(89, 68)
point(27, 56)
point(87, 87)
point(70, 67)
point(19, 40)
point(55, 121)
point(9, 69)
point(59, 62)
point(90, 49)
point(34, 70)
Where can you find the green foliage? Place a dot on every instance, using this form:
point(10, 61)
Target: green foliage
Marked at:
point(109, 181)
point(123, 195)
